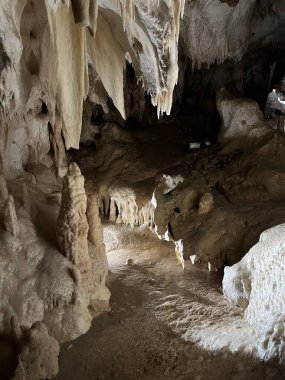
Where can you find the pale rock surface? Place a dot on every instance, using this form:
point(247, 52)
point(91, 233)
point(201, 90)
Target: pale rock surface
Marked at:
point(242, 120)
point(72, 225)
point(217, 30)
point(256, 284)
point(34, 276)
point(38, 358)
point(46, 48)
point(124, 207)
point(275, 103)
point(171, 182)
point(37, 283)
point(49, 48)
point(69, 322)
point(90, 264)
point(10, 217)
point(206, 203)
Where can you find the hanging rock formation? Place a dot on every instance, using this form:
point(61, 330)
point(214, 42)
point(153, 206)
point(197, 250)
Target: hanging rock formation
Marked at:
point(49, 49)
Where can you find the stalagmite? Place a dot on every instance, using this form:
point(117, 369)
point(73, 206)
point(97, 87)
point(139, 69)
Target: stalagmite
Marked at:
point(72, 225)
point(113, 211)
point(95, 237)
point(10, 217)
point(95, 232)
point(38, 358)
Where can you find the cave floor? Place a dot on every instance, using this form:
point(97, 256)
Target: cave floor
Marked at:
point(164, 323)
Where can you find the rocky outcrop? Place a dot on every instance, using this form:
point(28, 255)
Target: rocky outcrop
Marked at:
point(38, 357)
point(37, 282)
point(242, 120)
point(256, 284)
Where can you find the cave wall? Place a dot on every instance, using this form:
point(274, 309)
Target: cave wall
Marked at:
point(50, 50)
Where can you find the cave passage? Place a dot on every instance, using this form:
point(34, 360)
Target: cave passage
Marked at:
point(142, 177)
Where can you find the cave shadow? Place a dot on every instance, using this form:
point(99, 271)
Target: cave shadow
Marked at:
point(8, 357)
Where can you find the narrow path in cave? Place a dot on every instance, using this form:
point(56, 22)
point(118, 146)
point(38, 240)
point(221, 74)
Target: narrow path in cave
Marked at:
point(160, 319)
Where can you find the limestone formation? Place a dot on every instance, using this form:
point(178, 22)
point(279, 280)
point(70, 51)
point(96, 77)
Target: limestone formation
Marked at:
point(16, 331)
point(90, 81)
point(38, 358)
point(88, 258)
point(46, 85)
point(95, 232)
point(113, 211)
point(72, 225)
point(69, 322)
point(3, 188)
point(206, 203)
point(242, 120)
point(26, 199)
point(10, 217)
point(256, 284)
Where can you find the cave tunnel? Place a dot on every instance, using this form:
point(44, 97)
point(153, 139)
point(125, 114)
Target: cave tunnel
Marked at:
point(142, 177)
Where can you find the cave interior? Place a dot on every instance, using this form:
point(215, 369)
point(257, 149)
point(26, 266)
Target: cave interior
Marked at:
point(142, 177)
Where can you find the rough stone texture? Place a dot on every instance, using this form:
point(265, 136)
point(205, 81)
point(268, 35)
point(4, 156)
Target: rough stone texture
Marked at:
point(3, 188)
point(38, 278)
point(48, 49)
point(72, 225)
point(231, 3)
point(69, 322)
point(37, 283)
point(89, 259)
point(38, 358)
point(10, 217)
point(47, 46)
point(256, 284)
point(95, 232)
point(242, 120)
point(206, 203)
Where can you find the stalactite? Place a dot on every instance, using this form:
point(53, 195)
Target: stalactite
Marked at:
point(81, 11)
